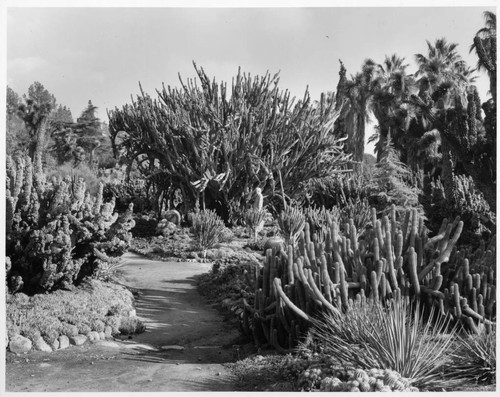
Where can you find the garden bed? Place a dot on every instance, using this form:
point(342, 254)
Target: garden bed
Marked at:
point(92, 311)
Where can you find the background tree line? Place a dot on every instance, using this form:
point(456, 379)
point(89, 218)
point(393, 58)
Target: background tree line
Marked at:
point(209, 145)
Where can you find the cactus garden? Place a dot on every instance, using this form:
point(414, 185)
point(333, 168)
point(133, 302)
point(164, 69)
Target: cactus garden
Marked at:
point(269, 242)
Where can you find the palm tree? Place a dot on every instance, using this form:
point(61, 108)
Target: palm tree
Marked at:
point(442, 65)
point(443, 78)
point(485, 45)
point(359, 93)
point(391, 91)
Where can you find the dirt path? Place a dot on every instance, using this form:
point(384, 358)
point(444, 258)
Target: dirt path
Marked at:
point(175, 315)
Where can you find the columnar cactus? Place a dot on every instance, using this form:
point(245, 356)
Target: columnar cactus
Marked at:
point(56, 231)
point(395, 260)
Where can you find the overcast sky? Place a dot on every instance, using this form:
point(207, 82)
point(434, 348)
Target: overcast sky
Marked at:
point(102, 53)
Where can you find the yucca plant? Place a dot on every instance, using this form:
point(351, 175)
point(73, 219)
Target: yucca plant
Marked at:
point(291, 222)
point(476, 357)
point(395, 337)
point(208, 229)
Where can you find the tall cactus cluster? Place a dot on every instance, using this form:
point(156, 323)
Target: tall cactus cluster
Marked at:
point(56, 231)
point(395, 259)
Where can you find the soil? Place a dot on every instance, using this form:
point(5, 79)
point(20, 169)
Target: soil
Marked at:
point(186, 347)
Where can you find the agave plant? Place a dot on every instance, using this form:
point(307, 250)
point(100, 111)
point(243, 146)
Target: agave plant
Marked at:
point(476, 357)
point(396, 337)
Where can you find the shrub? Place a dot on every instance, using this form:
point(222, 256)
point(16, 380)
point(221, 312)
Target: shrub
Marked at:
point(57, 232)
point(81, 171)
point(69, 329)
point(208, 229)
point(131, 325)
point(397, 337)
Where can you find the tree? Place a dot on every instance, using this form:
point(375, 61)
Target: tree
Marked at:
point(442, 65)
point(453, 107)
point(40, 95)
point(485, 45)
point(38, 105)
point(88, 131)
point(390, 181)
point(62, 115)
point(389, 104)
point(218, 147)
point(17, 137)
point(359, 94)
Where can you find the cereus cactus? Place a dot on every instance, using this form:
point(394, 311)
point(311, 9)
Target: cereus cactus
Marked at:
point(56, 231)
point(395, 259)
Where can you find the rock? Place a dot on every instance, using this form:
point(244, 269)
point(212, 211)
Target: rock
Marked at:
point(132, 313)
point(173, 347)
point(192, 255)
point(55, 344)
point(63, 342)
point(78, 340)
point(173, 217)
point(108, 331)
point(93, 336)
point(40, 345)
point(274, 242)
point(102, 335)
point(20, 344)
point(165, 228)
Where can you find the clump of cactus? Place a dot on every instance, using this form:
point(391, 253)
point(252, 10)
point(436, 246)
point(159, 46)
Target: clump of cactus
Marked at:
point(373, 380)
point(56, 231)
point(395, 259)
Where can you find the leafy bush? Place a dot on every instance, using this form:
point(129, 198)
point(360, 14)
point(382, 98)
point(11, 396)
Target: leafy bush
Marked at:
point(397, 337)
point(131, 325)
point(57, 232)
point(208, 229)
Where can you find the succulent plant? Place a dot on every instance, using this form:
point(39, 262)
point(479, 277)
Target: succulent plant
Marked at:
point(57, 233)
point(395, 259)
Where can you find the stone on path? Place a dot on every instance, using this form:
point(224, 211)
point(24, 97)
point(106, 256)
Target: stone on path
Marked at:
point(78, 340)
point(19, 344)
point(63, 342)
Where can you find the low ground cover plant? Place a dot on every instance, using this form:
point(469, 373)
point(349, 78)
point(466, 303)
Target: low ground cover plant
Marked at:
point(92, 306)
